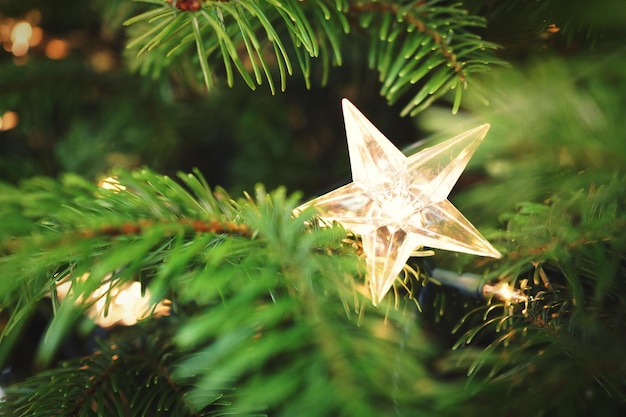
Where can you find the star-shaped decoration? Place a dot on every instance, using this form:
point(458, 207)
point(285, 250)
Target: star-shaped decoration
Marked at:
point(399, 204)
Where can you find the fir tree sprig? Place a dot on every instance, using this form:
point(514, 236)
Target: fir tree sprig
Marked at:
point(426, 46)
point(128, 376)
point(423, 46)
point(560, 250)
point(230, 31)
point(154, 231)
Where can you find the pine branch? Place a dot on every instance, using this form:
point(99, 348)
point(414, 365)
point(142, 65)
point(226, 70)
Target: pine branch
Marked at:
point(430, 43)
point(253, 312)
point(155, 231)
point(569, 257)
point(230, 30)
point(424, 42)
point(130, 377)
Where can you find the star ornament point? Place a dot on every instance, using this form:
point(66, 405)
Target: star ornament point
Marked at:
point(399, 204)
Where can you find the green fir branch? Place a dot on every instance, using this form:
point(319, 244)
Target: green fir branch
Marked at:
point(231, 31)
point(131, 377)
point(420, 49)
point(155, 231)
point(560, 251)
point(426, 43)
point(300, 281)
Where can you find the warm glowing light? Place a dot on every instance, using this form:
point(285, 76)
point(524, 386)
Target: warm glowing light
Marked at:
point(21, 36)
point(504, 292)
point(19, 47)
point(5, 32)
point(111, 183)
point(102, 61)
point(18, 36)
point(22, 31)
point(57, 49)
point(552, 28)
point(36, 37)
point(126, 305)
point(550, 31)
point(9, 120)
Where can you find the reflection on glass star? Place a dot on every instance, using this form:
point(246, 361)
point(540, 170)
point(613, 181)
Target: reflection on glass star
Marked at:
point(399, 204)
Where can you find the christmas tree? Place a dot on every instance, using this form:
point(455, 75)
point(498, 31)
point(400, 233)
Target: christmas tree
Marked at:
point(145, 271)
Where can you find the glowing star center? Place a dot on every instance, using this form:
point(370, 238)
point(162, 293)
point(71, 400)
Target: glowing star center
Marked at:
point(397, 199)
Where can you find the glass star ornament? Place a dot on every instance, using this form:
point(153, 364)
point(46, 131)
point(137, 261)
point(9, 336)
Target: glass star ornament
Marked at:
point(399, 204)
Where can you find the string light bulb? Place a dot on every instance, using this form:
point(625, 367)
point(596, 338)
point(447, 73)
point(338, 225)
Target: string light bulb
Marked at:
point(111, 183)
point(473, 285)
point(503, 291)
point(20, 36)
point(8, 120)
point(114, 302)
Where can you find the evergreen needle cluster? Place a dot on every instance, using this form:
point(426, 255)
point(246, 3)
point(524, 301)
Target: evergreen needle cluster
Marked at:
point(420, 49)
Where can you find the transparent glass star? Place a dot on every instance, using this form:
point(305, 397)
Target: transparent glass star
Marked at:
point(399, 204)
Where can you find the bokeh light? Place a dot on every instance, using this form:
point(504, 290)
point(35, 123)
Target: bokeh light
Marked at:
point(17, 36)
point(9, 120)
point(57, 49)
point(114, 302)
